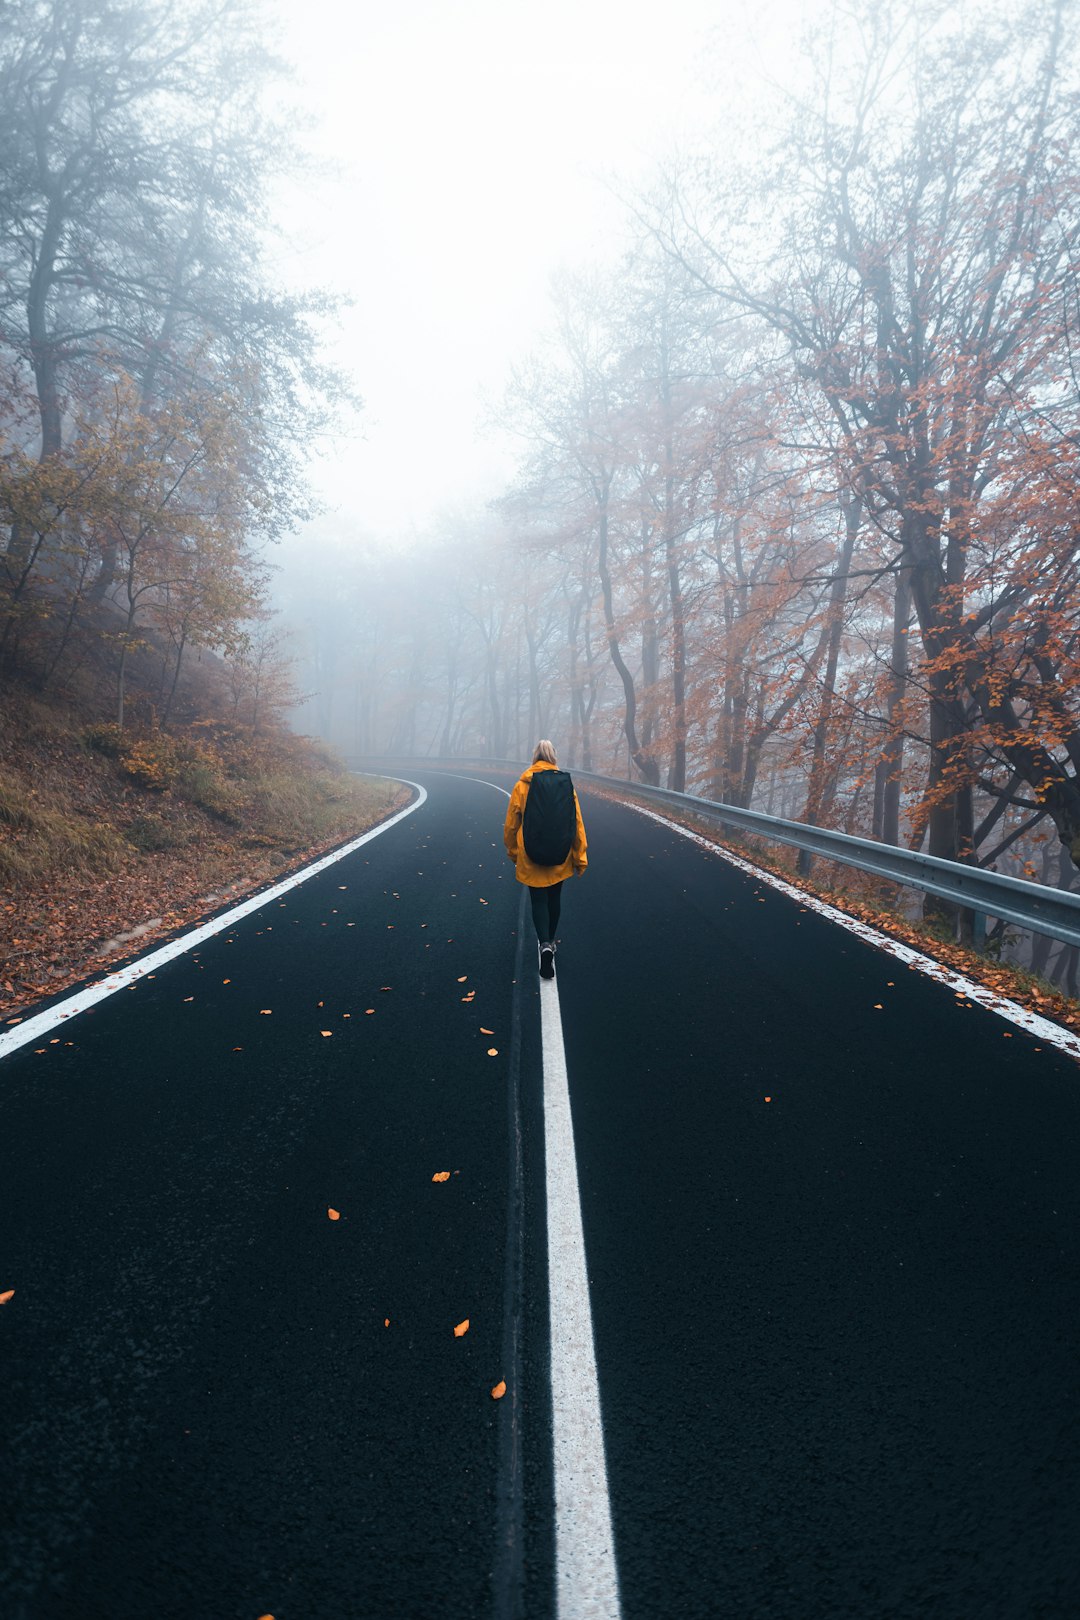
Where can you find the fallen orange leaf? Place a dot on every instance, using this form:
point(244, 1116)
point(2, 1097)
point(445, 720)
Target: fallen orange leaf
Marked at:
point(441, 1175)
point(334, 1214)
point(8, 1294)
point(768, 1099)
point(484, 1031)
point(493, 1051)
point(386, 1321)
point(499, 1391)
point(369, 1009)
point(264, 1012)
point(463, 977)
point(326, 1032)
point(461, 1329)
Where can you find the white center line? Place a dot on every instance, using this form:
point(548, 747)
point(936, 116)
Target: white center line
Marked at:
point(586, 1578)
point(587, 1584)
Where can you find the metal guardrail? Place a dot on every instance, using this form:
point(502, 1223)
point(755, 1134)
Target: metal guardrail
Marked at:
point(1014, 900)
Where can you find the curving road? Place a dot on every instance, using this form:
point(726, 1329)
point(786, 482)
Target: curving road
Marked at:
point(830, 1221)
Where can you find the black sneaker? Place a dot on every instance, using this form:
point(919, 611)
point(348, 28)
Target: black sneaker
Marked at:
point(547, 961)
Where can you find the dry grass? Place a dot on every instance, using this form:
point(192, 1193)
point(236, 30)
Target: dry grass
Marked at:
point(39, 839)
point(99, 833)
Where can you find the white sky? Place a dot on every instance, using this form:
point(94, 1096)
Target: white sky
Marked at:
point(474, 137)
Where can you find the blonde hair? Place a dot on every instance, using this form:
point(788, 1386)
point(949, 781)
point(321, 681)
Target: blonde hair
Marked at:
point(545, 750)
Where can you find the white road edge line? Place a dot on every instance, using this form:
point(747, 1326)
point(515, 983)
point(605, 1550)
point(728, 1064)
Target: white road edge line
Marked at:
point(40, 1024)
point(586, 1580)
point(1010, 1011)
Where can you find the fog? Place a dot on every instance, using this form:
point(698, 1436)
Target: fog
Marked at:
point(480, 145)
point(697, 390)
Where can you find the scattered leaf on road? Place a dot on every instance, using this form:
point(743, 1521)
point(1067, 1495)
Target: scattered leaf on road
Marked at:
point(441, 1175)
point(264, 1012)
point(484, 1031)
point(493, 1051)
point(499, 1391)
point(461, 1329)
point(334, 1214)
point(326, 1032)
point(8, 1294)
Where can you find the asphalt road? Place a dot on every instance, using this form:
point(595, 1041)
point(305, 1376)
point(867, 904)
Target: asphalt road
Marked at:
point(836, 1331)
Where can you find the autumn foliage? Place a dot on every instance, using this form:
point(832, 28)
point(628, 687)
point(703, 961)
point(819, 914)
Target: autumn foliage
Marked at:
point(794, 518)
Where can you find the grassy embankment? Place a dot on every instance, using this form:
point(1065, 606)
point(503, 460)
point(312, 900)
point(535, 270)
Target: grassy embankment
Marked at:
point(110, 839)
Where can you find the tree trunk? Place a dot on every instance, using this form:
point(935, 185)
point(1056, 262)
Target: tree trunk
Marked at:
point(851, 508)
point(887, 777)
point(645, 763)
point(175, 679)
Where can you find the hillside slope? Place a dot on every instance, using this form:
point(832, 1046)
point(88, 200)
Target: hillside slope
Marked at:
point(110, 839)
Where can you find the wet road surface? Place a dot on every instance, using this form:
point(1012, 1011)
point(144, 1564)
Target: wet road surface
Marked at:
point(835, 1331)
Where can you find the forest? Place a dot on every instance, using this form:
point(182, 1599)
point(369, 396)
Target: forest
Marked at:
point(794, 524)
point(160, 394)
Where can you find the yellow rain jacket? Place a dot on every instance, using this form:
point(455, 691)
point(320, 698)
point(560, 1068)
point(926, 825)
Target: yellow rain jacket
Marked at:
point(540, 877)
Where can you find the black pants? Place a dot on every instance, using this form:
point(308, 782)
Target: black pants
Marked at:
point(546, 904)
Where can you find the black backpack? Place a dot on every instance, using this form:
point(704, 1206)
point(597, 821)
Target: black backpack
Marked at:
point(549, 822)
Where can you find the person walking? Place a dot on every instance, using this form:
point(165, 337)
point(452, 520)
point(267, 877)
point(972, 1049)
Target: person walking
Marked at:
point(545, 838)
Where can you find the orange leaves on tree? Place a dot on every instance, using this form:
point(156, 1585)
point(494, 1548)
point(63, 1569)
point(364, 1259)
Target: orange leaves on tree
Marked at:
point(334, 1214)
point(499, 1391)
point(461, 1329)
